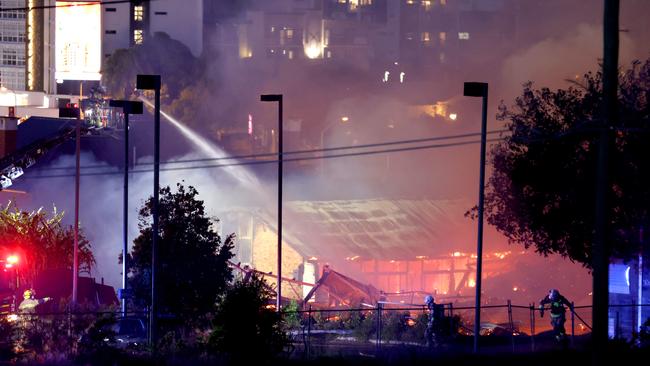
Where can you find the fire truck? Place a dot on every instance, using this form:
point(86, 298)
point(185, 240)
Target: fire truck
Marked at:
point(9, 283)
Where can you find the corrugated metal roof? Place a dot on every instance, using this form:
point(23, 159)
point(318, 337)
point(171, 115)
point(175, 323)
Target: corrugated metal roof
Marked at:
point(378, 228)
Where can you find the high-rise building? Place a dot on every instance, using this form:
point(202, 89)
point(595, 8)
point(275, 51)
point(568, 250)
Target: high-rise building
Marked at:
point(357, 32)
point(116, 27)
point(131, 24)
point(13, 46)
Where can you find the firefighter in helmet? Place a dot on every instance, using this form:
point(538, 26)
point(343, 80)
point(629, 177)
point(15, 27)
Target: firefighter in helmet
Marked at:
point(29, 303)
point(557, 307)
point(432, 324)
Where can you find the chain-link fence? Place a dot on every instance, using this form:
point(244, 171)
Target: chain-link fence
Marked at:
point(387, 327)
point(57, 337)
point(316, 332)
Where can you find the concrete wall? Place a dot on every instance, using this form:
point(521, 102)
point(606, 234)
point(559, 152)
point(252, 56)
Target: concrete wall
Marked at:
point(265, 257)
point(115, 28)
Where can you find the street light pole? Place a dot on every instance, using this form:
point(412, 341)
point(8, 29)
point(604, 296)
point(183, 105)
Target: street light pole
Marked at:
point(278, 98)
point(152, 82)
point(474, 89)
point(128, 107)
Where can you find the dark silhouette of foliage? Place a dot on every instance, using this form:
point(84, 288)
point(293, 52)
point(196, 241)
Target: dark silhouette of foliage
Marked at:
point(193, 262)
point(7, 336)
point(160, 55)
point(542, 190)
point(245, 328)
point(42, 242)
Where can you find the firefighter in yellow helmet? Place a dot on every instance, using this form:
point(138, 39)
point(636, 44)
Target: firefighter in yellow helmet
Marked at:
point(29, 303)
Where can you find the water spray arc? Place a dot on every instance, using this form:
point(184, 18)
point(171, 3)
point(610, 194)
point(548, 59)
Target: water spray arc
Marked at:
point(210, 150)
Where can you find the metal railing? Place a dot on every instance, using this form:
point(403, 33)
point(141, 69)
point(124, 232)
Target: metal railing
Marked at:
point(506, 328)
point(371, 330)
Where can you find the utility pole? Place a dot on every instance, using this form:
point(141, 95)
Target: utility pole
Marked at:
point(600, 249)
point(77, 179)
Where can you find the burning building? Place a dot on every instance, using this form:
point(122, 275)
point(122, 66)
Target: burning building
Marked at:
point(403, 248)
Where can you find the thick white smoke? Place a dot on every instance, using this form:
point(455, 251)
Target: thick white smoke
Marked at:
point(551, 62)
point(101, 198)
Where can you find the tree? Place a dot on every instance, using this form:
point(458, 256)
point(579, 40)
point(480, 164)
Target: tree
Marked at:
point(193, 262)
point(158, 55)
point(245, 328)
point(41, 241)
point(542, 190)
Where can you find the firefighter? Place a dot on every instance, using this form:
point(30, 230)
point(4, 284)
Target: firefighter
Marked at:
point(29, 303)
point(558, 318)
point(430, 333)
point(27, 310)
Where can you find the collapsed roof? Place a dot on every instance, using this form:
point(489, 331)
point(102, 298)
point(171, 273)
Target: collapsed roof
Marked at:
point(377, 228)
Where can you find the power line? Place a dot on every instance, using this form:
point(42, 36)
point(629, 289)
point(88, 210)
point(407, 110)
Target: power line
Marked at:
point(80, 3)
point(338, 148)
point(299, 152)
point(363, 153)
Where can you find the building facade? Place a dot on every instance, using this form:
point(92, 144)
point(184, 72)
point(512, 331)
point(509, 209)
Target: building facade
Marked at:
point(131, 24)
point(13, 45)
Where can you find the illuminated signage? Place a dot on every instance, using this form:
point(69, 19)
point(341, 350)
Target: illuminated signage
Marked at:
point(78, 40)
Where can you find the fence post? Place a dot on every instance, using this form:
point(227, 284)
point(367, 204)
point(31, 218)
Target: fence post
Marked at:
point(616, 334)
point(573, 324)
point(378, 345)
point(308, 345)
point(451, 319)
point(512, 326)
point(532, 326)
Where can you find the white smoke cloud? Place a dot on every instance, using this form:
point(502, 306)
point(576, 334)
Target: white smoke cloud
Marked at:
point(101, 201)
point(551, 62)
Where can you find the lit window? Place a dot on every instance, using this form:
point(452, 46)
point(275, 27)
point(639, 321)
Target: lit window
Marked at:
point(426, 4)
point(426, 37)
point(463, 35)
point(410, 2)
point(353, 5)
point(443, 36)
point(289, 33)
point(443, 2)
point(290, 55)
point(138, 13)
point(138, 36)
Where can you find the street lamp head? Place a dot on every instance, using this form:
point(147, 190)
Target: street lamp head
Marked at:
point(128, 106)
point(475, 89)
point(148, 82)
point(271, 97)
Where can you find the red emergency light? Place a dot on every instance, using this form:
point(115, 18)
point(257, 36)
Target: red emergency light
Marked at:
point(11, 261)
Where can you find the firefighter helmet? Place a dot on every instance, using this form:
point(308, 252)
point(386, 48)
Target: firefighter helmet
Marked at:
point(28, 294)
point(428, 299)
point(553, 294)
